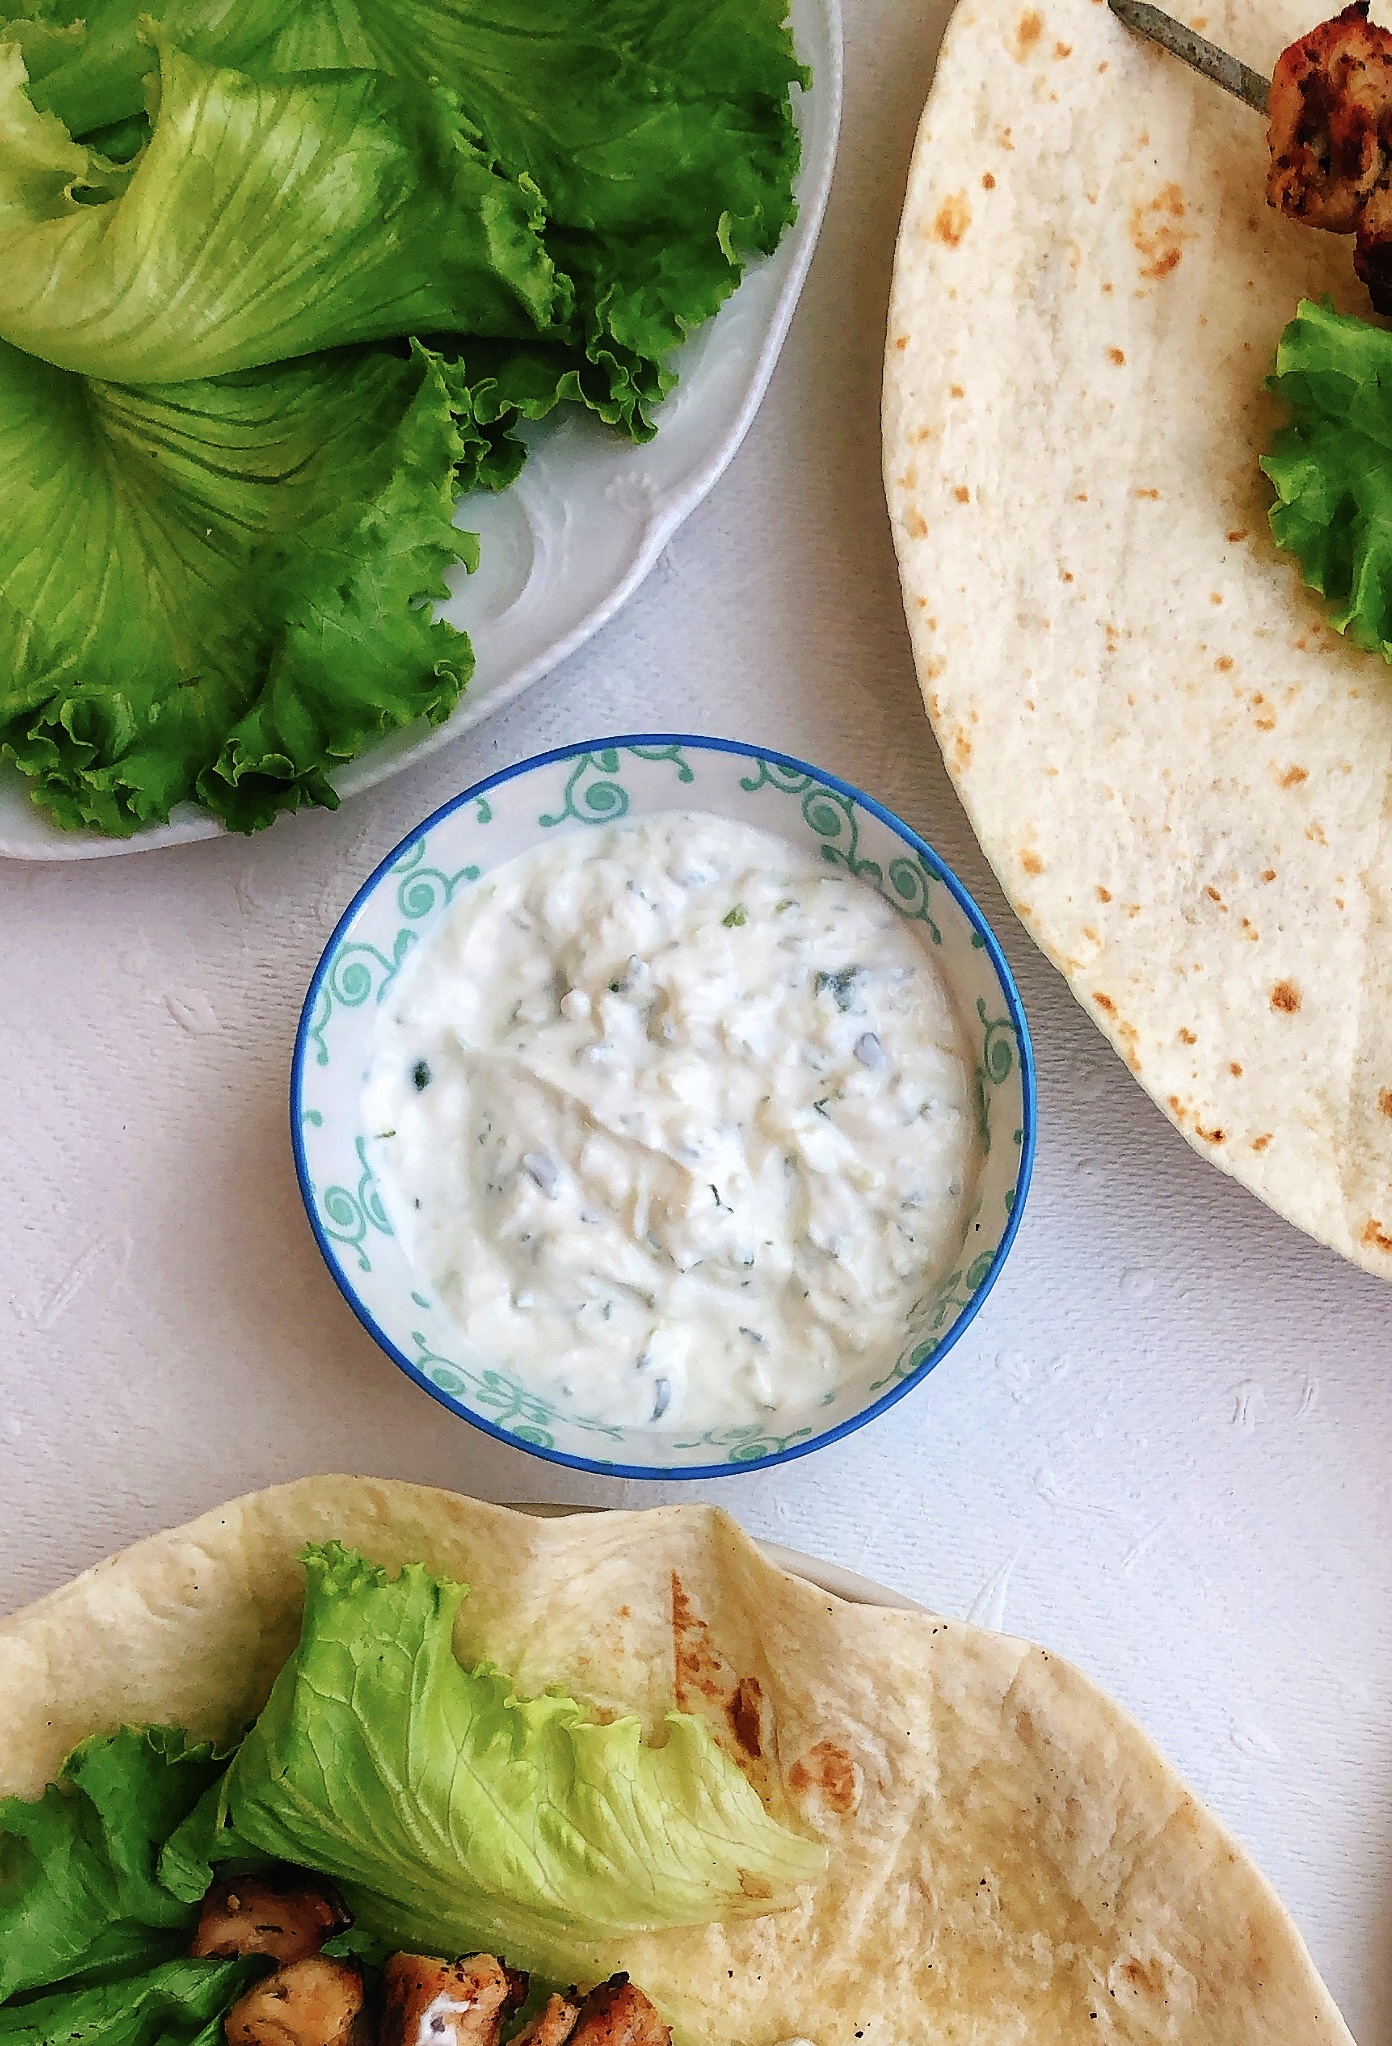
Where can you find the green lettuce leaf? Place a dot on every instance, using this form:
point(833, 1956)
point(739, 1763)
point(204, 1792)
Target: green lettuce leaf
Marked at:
point(661, 134)
point(659, 131)
point(222, 585)
point(78, 1883)
point(265, 220)
point(1332, 466)
point(181, 2003)
point(456, 1815)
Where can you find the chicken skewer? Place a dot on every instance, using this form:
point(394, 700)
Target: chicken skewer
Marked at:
point(1201, 55)
point(1329, 131)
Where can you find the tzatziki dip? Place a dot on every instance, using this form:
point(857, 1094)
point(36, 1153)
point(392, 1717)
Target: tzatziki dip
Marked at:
point(674, 1117)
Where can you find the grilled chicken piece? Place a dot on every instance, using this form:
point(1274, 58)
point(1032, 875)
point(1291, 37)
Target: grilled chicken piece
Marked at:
point(266, 1915)
point(617, 2014)
point(448, 2003)
point(552, 2025)
point(1330, 137)
point(313, 2002)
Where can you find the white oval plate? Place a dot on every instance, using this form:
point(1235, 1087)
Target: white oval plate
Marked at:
point(579, 530)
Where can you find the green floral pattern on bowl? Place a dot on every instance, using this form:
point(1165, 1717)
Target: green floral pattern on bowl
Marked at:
point(576, 790)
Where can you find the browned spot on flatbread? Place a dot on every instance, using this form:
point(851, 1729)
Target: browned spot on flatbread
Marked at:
point(1223, 663)
point(744, 1710)
point(1031, 863)
point(951, 220)
point(1148, 1979)
point(1375, 1235)
point(697, 1666)
point(962, 494)
point(1293, 777)
point(1130, 1038)
point(1103, 894)
point(1285, 996)
point(1105, 1002)
point(1187, 1037)
point(1239, 533)
point(1156, 234)
point(1028, 29)
point(829, 1770)
point(1117, 355)
point(1235, 1069)
point(1210, 1136)
point(915, 525)
point(1176, 1108)
point(1385, 1101)
point(1063, 50)
point(1260, 1143)
point(988, 181)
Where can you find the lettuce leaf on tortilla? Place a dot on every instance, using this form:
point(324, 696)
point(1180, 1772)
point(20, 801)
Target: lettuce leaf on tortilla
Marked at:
point(1332, 466)
point(224, 586)
point(78, 1884)
point(181, 2003)
point(455, 1815)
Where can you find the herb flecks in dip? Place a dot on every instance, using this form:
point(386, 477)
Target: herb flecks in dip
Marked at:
point(675, 1118)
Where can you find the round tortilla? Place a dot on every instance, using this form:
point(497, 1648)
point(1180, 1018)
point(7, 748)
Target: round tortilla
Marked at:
point(1012, 1863)
point(1178, 771)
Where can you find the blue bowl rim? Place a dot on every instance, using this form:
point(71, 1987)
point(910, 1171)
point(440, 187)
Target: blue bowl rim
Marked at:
point(1029, 1105)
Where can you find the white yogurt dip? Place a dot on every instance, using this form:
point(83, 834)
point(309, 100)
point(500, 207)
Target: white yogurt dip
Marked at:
point(675, 1118)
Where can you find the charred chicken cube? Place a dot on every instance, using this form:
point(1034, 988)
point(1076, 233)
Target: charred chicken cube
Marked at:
point(262, 1915)
point(1330, 138)
point(427, 2002)
point(552, 2025)
point(313, 2002)
point(617, 2014)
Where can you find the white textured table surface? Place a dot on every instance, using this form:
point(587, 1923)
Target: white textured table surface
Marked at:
point(1163, 1448)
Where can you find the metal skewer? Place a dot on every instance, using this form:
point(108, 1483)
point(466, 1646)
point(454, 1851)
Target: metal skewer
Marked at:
point(1235, 77)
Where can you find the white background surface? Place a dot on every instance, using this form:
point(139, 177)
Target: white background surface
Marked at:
point(1162, 1449)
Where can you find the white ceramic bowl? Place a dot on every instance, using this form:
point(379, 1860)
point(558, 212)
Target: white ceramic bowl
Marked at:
point(573, 790)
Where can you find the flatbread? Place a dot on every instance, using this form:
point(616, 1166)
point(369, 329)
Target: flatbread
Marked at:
point(1011, 1860)
point(1178, 771)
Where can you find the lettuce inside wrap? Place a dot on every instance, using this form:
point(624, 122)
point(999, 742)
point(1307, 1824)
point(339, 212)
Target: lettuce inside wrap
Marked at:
point(453, 1815)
